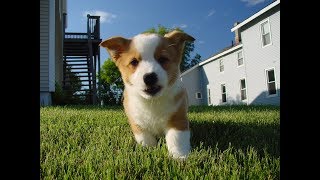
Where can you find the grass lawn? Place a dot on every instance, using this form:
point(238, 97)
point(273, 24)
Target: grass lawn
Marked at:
point(228, 142)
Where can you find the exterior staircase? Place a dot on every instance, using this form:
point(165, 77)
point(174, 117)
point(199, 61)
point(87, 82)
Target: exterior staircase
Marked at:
point(81, 58)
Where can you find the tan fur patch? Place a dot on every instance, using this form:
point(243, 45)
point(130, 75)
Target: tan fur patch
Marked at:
point(169, 51)
point(179, 120)
point(123, 63)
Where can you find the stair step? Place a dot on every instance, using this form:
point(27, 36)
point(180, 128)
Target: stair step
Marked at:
point(78, 68)
point(90, 94)
point(68, 72)
point(76, 61)
point(82, 80)
point(76, 57)
point(84, 64)
point(78, 90)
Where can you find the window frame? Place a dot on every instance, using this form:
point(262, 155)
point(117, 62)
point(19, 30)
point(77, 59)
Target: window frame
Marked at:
point(267, 82)
point(245, 89)
point(237, 54)
point(223, 93)
point(221, 64)
point(198, 92)
point(261, 34)
point(209, 95)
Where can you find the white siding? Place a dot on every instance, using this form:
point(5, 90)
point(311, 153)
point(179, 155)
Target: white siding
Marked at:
point(259, 58)
point(52, 50)
point(230, 77)
point(44, 45)
point(191, 82)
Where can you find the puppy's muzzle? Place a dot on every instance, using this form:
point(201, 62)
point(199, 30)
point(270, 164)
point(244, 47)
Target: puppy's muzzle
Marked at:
point(151, 79)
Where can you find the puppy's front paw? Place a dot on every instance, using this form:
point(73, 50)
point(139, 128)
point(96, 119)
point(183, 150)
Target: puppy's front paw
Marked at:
point(178, 143)
point(146, 139)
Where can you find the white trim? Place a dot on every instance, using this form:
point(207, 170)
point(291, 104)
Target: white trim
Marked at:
point(189, 70)
point(256, 15)
point(221, 54)
point(261, 35)
point(275, 82)
point(197, 95)
point(51, 51)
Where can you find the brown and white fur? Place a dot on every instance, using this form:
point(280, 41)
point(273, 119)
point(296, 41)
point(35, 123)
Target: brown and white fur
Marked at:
point(155, 100)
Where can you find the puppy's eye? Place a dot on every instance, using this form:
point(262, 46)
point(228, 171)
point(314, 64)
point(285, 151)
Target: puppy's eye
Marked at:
point(134, 62)
point(163, 60)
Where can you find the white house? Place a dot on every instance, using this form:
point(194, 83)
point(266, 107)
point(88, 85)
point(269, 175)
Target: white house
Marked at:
point(247, 72)
point(52, 14)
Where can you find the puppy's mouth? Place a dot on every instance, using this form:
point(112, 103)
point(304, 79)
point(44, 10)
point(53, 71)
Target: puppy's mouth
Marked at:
point(152, 90)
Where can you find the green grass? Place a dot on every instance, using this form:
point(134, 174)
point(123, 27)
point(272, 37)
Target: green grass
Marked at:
point(228, 142)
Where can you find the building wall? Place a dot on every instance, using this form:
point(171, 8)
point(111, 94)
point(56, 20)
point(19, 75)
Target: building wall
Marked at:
point(59, 42)
point(51, 47)
point(230, 77)
point(191, 82)
point(44, 45)
point(259, 58)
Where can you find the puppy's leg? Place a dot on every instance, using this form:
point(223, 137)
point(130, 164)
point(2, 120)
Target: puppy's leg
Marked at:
point(178, 143)
point(143, 137)
point(177, 132)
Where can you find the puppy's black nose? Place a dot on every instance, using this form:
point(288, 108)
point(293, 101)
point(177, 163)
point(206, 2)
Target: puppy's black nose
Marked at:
point(150, 79)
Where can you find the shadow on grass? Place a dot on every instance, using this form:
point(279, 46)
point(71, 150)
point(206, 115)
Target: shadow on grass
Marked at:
point(223, 108)
point(239, 135)
point(88, 107)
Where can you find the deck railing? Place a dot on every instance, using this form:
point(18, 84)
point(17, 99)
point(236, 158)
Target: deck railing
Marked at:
point(93, 30)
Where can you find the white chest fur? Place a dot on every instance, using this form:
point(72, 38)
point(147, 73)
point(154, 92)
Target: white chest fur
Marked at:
point(153, 114)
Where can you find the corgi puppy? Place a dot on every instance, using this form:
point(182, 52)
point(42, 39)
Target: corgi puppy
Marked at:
point(155, 100)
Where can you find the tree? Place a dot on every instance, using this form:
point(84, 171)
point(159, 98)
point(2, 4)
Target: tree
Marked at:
point(63, 96)
point(111, 83)
point(195, 60)
point(188, 48)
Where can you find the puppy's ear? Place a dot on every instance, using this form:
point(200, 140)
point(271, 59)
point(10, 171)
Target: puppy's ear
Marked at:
point(178, 37)
point(115, 46)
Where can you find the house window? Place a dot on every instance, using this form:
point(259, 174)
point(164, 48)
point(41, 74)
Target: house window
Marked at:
point(209, 97)
point(221, 65)
point(223, 92)
point(271, 82)
point(240, 58)
point(265, 32)
point(198, 95)
point(243, 88)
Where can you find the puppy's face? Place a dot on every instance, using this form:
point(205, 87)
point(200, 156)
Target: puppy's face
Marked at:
point(148, 63)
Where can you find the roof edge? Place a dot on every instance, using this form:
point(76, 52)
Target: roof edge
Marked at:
point(256, 15)
point(189, 70)
point(221, 54)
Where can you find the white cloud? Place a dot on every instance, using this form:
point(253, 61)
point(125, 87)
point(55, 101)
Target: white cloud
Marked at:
point(104, 16)
point(211, 12)
point(201, 42)
point(182, 26)
point(252, 2)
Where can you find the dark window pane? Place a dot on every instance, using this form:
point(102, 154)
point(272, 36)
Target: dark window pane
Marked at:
point(243, 84)
point(243, 95)
point(209, 96)
point(271, 76)
point(272, 88)
point(224, 98)
point(223, 88)
point(240, 61)
point(266, 39)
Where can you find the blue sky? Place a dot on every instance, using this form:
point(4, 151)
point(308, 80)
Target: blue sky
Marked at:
point(208, 21)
